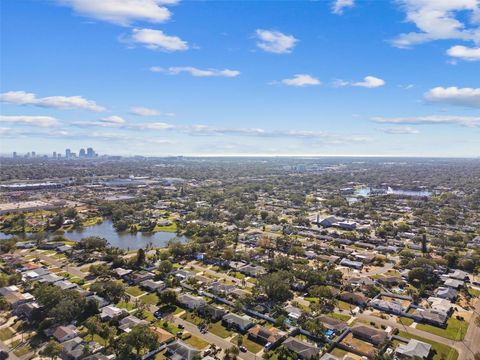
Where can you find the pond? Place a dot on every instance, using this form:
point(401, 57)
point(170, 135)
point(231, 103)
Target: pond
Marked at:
point(124, 240)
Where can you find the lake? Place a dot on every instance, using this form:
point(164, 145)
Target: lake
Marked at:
point(124, 240)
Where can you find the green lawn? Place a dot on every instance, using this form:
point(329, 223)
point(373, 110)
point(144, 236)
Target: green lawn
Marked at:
point(342, 305)
point(442, 351)
point(249, 344)
point(23, 350)
point(169, 228)
point(6, 333)
point(405, 321)
point(474, 292)
point(170, 327)
point(455, 330)
point(151, 299)
point(237, 275)
point(192, 318)
point(338, 316)
point(219, 330)
point(197, 342)
point(126, 305)
point(134, 291)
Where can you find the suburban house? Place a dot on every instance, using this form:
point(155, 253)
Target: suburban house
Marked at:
point(430, 316)
point(64, 333)
point(178, 350)
point(110, 312)
point(352, 264)
point(191, 302)
point(356, 298)
point(413, 349)
point(240, 323)
point(369, 334)
point(303, 349)
point(332, 323)
point(446, 293)
point(264, 336)
point(129, 322)
point(212, 312)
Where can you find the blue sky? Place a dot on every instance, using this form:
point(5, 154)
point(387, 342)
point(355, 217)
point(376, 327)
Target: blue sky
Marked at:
point(162, 77)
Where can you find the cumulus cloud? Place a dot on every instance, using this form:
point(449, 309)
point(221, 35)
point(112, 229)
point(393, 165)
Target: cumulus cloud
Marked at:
point(368, 82)
point(175, 70)
point(339, 5)
point(143, 111)
point(440, 20)
point(275, 41)
point(301, 80)
point(114, 120)
point(407, 130)
point(155, 40)
point(464, 53)
point(58, 102)
point(468, 121)
point(122, 12)
point(453, 95)
point(32, 120)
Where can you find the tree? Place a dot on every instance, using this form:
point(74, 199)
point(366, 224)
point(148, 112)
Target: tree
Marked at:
point(3, 355)
point(102, 270)
point(424, 244)
point(93, 326)
point(134, 344)
point(141, 258)
point(168, 297)
point(111, 290)
point(276, 286)
point(165, 267)
point(52, 350)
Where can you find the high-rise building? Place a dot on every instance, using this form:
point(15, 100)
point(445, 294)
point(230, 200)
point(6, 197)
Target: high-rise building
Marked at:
point(34, 153)
point(68, 153)
point(81, 153)
point(90, 152)
point(14, 154)
point(54, 155)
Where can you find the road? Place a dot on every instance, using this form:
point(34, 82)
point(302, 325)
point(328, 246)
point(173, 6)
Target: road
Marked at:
point(213, 339)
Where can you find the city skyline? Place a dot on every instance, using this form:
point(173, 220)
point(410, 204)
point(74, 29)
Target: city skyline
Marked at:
point(319, 78)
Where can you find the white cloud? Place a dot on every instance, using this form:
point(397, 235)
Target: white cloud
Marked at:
point(453, 95)
point(156, 40)
point(397, 130)
point(122, 12)
point(300, 80)
point(58, 102)
point(370, 82)
point(439, 20)
point(158, 126)
point(114, 120)
point(143, 111)
point(41, 121)
point(465, 53)
point(197, 72)
point(468, 121)
point(275, 41)
point(339, 5)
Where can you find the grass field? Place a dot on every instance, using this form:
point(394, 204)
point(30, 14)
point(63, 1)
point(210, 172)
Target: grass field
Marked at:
point(192, 318)
point(345, 306)
point(134, 291)
point(338, 316)
point(249, 344)
point(456, 329)
point(197, 342)
point(219, 330)
point(126, 305)
point(6, 333)
point(171, 328)
point(151, 299)
point(405, 321)
point(442, 351)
